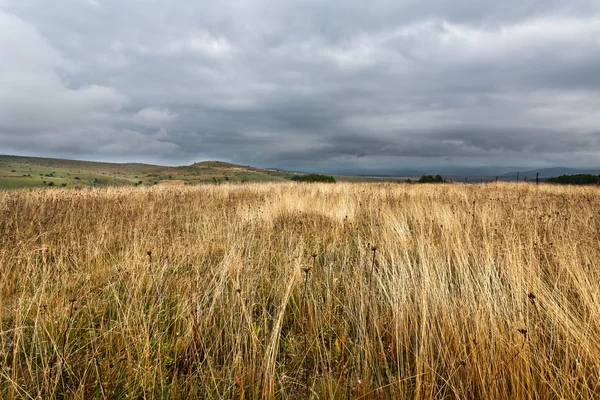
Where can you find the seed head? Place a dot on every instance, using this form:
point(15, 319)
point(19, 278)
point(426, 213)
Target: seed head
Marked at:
point(238, 290)
point(373, 248)
point(531, 296)
point(306, 270)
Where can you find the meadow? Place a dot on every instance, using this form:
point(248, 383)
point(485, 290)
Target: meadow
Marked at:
point(297, 291)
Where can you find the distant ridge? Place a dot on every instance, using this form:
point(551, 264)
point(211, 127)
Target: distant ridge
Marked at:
point(58, 162)
point(551, 172)
point(218, 164)
point(23, 172)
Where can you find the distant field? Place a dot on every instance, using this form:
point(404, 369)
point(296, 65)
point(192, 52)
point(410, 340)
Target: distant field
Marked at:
point(296, 291)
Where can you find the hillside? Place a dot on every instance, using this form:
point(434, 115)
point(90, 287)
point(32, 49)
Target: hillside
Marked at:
point(23, 172)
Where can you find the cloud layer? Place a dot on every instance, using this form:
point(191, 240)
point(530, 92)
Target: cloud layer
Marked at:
point(305, 84)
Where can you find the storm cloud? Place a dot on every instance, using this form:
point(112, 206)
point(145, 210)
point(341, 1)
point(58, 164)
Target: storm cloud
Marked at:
point(306, 84)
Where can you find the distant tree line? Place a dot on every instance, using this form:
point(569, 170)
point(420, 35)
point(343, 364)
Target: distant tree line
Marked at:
point(431, 179)
point(578, 179)
point(314, 178)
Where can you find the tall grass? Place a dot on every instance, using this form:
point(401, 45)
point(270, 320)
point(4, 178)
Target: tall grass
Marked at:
point(472, 291)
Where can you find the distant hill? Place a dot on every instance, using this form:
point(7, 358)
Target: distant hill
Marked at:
point(218, 164)
point(22, 172)
point(78, 164)
point(475, 174)
point(552, 172)
point(375, 172)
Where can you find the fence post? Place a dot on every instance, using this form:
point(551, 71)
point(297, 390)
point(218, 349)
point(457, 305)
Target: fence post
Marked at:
point(537, 178)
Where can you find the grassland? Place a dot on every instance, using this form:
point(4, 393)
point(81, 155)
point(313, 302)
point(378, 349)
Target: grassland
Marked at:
point(28, 172)
point(31, 172)
point(291, 291)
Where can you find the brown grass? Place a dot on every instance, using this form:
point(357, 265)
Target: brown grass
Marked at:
point(173, 182)
point(474, 291)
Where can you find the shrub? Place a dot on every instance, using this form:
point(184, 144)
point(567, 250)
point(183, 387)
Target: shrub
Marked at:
point(431, 179)
point(314, 178)
point(50, 183)
point(578, 179)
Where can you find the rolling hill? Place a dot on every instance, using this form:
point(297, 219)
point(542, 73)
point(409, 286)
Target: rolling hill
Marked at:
point(22, 172)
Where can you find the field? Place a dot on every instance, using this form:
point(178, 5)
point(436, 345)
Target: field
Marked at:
point(296, 291)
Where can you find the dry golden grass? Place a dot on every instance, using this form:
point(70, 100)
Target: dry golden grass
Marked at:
point(472, 291)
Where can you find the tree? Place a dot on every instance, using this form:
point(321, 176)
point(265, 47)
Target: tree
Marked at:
point(431, 179)
point(314, 178)
point(578, 179)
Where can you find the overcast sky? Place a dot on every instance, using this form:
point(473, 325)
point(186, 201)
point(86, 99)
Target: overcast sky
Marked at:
point(308, 84)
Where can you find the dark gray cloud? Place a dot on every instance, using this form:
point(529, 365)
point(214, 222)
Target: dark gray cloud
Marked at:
point(302, 84)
